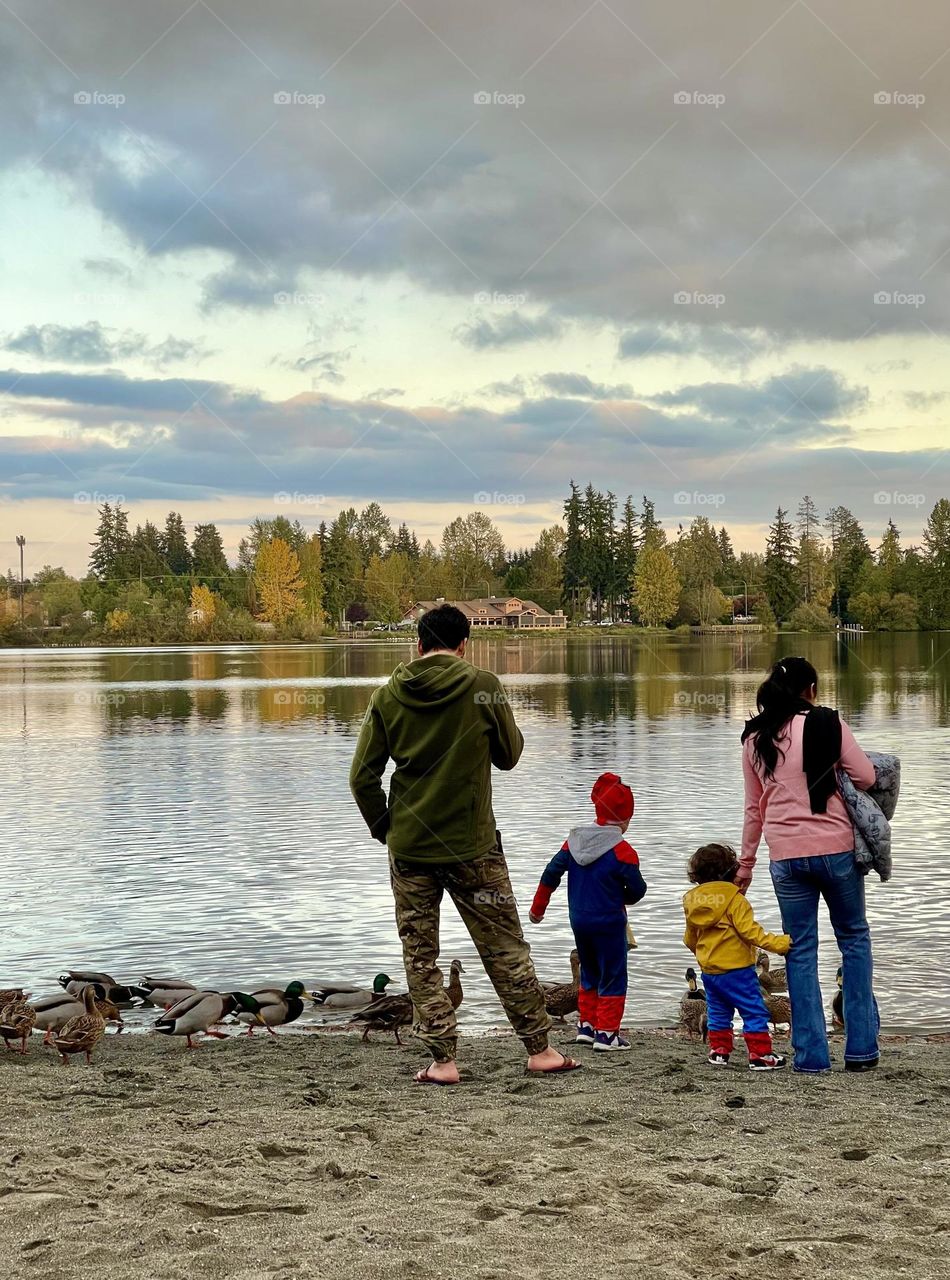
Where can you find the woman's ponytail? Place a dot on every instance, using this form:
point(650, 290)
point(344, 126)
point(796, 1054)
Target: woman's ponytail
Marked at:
point(780, 696)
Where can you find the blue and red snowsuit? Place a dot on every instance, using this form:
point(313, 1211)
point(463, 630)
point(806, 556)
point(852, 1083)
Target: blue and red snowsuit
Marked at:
point(603, 879)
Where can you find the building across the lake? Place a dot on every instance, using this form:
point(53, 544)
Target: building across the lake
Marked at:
point(495, 611)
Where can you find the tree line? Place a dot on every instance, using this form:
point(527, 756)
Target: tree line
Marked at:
point(606, 561)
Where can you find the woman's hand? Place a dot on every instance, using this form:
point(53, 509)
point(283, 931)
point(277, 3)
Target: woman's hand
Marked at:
point(743, 880)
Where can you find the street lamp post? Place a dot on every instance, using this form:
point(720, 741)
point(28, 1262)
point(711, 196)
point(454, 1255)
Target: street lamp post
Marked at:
point(21, 543)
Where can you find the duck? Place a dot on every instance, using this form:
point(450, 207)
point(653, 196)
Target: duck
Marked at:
point(693, 1007)
point(779, 1008)
point(83, 1032)
point(16, 1022)
point(200, 1010)
point(277, 1007)
point(348, 996)
point(560, 998)
point(392, 1013)
point(53, 1012)
point(12, 993)
point(163, 992)
point(837, 1004)
point(74, 980)
point(772, 980)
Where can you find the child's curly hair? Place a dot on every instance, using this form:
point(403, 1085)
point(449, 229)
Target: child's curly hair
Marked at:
point(713, 862)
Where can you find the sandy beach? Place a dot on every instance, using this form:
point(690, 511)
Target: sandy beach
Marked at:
point(314, 1155)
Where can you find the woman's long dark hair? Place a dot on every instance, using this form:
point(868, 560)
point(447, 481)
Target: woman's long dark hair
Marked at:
point(780, 696)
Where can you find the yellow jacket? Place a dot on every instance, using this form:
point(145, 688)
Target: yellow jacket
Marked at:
point(721, 930)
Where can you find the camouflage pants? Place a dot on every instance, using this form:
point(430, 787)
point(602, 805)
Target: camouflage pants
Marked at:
point(481, 891)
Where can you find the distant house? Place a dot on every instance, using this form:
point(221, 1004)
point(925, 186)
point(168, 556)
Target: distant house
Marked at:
point(196, 617)
point(496, 611)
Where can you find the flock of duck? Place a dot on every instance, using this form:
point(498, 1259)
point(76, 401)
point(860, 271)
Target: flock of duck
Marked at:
point(74, 1019)
point(773, 984)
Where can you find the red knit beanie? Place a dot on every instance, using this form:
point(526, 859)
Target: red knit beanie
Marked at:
point(613, 799)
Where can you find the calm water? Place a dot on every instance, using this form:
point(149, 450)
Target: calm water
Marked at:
point(186, 811)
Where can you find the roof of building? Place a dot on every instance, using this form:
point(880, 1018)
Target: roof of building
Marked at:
point(494, 604)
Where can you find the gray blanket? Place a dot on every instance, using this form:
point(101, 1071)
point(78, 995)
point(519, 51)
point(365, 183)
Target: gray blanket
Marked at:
point(871, 810)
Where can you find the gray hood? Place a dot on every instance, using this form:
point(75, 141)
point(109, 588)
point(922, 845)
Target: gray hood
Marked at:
point(587, 844)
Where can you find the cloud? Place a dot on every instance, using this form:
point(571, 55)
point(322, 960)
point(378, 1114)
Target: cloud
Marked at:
point(578, 384)
point(925, 400)
point(798, 206)
point(510, 330)
point(719, 343)
point(92, 344)
point(795, 396)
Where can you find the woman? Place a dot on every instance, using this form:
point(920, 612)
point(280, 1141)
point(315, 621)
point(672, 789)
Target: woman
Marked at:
point(791, 752)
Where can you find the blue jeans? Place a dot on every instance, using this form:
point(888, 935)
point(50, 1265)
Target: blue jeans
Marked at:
point(799, 883)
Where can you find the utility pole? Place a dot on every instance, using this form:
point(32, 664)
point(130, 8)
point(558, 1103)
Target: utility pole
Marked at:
point(21, 543)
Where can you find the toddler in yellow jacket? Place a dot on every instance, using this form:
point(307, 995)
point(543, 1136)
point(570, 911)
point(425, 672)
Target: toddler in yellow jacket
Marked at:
point(723, 934)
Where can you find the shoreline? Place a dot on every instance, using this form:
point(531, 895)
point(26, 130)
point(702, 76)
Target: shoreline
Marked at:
point(314, 1154)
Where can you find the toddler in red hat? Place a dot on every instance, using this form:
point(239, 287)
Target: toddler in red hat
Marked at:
point(603, 879)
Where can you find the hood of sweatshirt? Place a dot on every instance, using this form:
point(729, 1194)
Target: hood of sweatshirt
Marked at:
point(708, 903)
point(589, 843)
point(430, 683)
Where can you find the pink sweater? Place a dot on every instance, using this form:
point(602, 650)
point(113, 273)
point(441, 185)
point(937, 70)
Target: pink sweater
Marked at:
point(779, 807)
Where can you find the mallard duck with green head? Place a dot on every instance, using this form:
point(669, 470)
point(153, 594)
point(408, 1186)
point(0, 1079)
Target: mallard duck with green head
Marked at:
point(393, 1013)
point(162, 992)
point(347, 996)
point(197, 1013)
point(276, 1007)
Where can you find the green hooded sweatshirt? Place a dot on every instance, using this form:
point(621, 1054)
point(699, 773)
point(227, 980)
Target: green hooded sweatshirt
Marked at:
point(444, 723)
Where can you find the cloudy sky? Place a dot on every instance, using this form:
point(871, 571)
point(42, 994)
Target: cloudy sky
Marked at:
point(282, 257)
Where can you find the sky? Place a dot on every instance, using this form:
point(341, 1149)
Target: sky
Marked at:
point(278, 259)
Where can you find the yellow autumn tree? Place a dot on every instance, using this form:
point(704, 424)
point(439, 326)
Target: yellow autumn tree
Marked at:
point(278, 581)
point(204, 607)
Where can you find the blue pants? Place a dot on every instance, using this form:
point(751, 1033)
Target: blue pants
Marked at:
point(799, 884)
point(738, 990)
point(602, 951)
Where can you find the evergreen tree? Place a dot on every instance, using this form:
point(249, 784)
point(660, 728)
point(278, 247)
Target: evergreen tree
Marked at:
point(207, 554)
point(175, 550)
point(373, 532)
point(626, 545)
point(342, 567)
point(849, 551)
point(809, 548)
point(935, 578)
point(573, 566)
point(651, 530)
point(890, 555)
point(110, 559)
point(780, 585)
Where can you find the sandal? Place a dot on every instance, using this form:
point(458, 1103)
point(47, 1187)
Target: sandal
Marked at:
point(423, 1077)
point(568, 1064)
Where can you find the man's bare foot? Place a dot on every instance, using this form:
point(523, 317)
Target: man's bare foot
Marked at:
point(550, 1061)
point(439, 1073)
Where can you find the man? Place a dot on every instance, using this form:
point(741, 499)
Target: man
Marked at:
point(445, 723)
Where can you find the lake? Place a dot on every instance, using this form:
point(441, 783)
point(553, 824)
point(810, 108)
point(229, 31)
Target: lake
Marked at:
point(186, 812)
